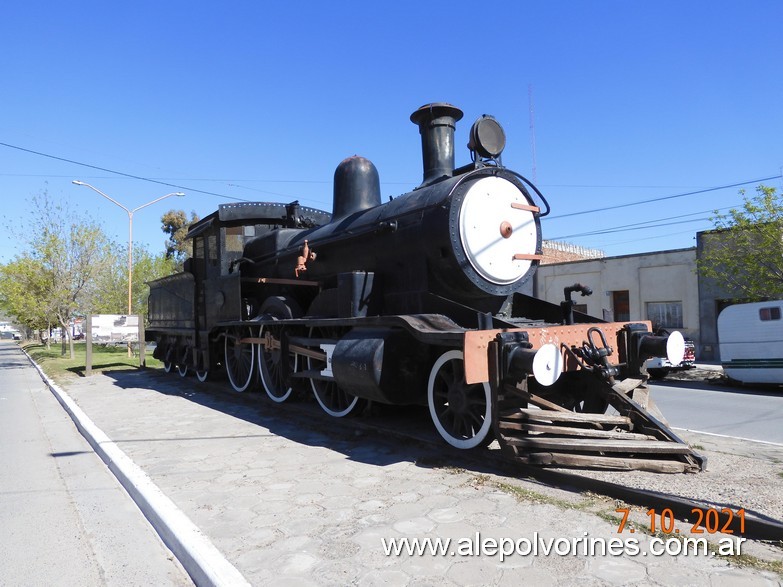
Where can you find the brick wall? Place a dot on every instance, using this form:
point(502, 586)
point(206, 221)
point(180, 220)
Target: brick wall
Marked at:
point(557, 252)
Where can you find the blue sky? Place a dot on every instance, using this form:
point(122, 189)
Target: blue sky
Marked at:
point(259, 101)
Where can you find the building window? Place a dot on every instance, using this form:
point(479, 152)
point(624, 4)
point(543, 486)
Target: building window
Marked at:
point(621, 306)
point(772, 313)
point(665, 314)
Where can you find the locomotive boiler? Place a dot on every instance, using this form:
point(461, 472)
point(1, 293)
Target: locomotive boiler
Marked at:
point(424, 299)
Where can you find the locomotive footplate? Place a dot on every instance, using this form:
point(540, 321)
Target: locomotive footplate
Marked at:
point(584, 418)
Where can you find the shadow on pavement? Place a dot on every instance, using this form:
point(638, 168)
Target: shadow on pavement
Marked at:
point(382, 435)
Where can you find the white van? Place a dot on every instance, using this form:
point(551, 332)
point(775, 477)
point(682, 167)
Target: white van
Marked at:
point(751, 342)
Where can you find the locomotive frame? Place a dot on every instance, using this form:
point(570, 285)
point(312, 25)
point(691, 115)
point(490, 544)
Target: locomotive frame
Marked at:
point(418, 301)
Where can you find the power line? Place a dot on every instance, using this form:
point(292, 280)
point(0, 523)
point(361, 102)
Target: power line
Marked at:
point(648, 238)
point(208, 179)
point(616, 230)
point(645, 224)
point(172, 185)
point(713, 189)
point(181, 187)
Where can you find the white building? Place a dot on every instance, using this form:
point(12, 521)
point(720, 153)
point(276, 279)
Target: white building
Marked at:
point(662, 287)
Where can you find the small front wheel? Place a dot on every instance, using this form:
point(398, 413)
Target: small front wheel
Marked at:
point(462, 413)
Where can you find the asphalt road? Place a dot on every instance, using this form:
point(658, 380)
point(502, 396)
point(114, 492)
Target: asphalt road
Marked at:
point(64, 518)
point(753, 413)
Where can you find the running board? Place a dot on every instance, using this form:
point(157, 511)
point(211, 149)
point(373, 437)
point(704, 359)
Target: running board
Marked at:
point(634, 436)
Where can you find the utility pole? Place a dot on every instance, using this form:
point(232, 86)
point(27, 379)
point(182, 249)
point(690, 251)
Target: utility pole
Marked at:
point(532, 129)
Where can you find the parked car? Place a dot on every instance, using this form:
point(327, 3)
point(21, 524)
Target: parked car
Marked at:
point(660, 367)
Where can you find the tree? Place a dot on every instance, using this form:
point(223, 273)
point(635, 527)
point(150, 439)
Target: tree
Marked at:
point(745, 250)
point(175, 224)
point(64, 256)
point(110, 291)
point(24, 285)
point(70, 268)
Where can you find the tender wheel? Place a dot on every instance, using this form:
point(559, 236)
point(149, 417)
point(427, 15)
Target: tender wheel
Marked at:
point(182, 362)
point(168, 361)
point(240, 358)
point(270, 360)
point(334, 401)
point(461, 412)
point(202, 376)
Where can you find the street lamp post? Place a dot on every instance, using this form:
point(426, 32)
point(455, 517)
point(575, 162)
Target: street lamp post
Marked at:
point(130, 231)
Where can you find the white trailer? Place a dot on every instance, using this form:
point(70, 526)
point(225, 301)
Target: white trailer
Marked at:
point(751, 342)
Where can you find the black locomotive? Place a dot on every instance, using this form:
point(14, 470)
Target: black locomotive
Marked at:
point(424, 299)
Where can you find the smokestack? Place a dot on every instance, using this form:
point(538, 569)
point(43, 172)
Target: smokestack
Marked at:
point(436, 123)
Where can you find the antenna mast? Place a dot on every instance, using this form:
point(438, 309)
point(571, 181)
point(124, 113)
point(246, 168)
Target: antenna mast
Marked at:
point(532, 129)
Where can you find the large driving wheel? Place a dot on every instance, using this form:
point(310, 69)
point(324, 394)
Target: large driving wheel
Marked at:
point(461, 412)
point(334, 401)
point(240, 357)
point(270, 359)
point(270, 365)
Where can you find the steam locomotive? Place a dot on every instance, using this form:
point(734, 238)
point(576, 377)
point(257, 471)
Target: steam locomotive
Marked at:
point(425, 299)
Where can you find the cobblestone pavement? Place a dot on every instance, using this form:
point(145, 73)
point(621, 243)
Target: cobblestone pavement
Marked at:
point(293, 498)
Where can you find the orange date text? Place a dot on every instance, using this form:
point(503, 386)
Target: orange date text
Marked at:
point(710, 521)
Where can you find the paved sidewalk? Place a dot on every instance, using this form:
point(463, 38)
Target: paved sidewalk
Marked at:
point(292, 499)
point(64, 518)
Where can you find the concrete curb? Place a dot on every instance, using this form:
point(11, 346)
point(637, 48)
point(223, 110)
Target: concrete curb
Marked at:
point(205, 564)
